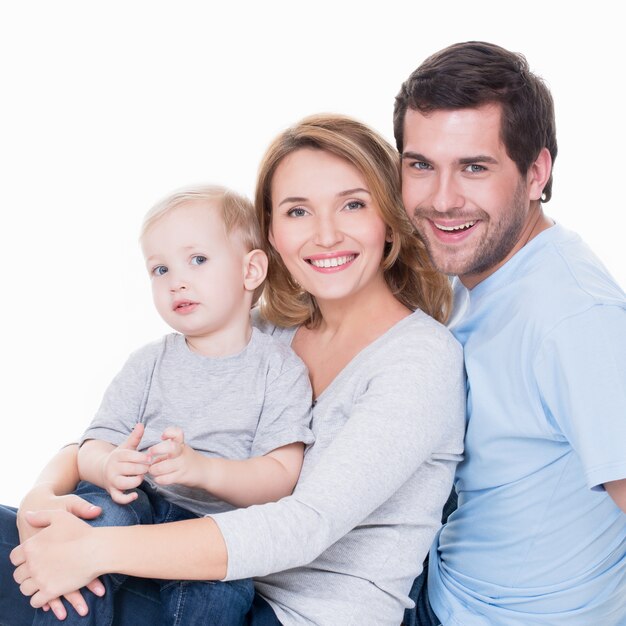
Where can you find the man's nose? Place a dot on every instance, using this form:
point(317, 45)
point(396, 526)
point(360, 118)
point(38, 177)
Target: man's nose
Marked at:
point(446, 194)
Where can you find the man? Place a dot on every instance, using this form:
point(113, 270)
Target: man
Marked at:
point(539, 536)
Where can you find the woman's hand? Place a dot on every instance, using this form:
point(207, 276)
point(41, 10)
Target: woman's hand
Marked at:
point(56, 560)
point(42, 497)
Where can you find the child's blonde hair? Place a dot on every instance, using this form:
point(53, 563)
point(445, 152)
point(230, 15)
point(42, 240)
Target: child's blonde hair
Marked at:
point(237, 211)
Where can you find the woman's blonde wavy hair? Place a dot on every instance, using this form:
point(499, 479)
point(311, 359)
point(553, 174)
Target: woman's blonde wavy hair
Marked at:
point(406, 265)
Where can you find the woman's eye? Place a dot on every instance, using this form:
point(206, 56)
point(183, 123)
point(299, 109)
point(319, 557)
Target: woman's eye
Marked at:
point(296, 212)
point(353, 205)
point(159, 270)
point(198, 259)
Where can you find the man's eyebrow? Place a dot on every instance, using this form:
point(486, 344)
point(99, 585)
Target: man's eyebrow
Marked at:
point(415, 156)
point(481, 158)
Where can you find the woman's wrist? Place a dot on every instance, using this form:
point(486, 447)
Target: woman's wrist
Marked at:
point(42, 493)
point(192, 550)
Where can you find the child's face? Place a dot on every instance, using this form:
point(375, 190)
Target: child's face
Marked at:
point(197, 272)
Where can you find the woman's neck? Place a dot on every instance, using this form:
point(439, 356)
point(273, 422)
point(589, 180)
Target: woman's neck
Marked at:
point(347, 327)
point(359, 309)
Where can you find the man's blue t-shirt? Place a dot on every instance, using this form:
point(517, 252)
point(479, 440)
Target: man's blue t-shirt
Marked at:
point(536, 539)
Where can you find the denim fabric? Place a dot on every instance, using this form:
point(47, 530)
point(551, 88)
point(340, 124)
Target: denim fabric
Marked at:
point(423, 614)
point(261, 613)
point(15, 609)
point(149, 602)
point(138, 604)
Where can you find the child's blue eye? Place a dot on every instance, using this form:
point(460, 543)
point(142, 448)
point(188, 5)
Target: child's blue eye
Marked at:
point(159, 270)
point(198, 259)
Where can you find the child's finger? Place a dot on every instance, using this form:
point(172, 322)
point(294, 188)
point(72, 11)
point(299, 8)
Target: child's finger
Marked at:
point(124, 483)
point(122, 498)
point(131, 456)
point(167, 448)
point(175, 433)
point(134, 439)
point(131, 469)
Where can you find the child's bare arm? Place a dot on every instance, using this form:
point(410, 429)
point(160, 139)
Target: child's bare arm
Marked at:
point(242, 483)
point(115, 469)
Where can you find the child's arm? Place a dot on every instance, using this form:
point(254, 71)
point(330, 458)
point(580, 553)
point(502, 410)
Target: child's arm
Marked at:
point(115, 469)
point(251, 481)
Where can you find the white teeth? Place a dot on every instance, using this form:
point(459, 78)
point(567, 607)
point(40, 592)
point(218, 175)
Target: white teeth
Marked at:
point(450, 229)
point(334, 262)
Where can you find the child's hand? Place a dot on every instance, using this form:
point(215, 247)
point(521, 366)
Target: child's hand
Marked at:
point(175, 462)
point(125, 467)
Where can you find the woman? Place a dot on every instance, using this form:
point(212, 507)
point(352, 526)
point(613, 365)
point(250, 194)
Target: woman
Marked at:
point(351, 289)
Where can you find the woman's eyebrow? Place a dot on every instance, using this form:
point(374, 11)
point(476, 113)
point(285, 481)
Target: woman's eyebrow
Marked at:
point(349, 192)
point(292, 199)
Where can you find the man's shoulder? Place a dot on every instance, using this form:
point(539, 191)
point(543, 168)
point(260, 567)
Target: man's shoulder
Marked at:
point(565, 277)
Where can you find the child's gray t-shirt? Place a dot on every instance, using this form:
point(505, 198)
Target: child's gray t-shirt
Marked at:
point(233, 407)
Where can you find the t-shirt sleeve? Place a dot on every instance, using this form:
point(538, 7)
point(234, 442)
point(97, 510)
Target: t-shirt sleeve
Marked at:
point(581, 374)
point(286, 414)
point(124, 400)
point(409, 406)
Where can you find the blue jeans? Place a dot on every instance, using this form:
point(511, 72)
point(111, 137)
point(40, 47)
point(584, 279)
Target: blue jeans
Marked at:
point(423, 614)
point(15, 609)
point(138, 604)
point(178, 602)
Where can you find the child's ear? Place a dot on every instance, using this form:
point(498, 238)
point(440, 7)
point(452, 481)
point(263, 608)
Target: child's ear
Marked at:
point(254, 269)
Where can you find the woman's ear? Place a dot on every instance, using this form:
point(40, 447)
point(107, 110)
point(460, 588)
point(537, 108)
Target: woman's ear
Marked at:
point(254, 269)
point(539, 174)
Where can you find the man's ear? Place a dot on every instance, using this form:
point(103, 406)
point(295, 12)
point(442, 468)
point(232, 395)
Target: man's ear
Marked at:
point(254, 269)
point(539, 174)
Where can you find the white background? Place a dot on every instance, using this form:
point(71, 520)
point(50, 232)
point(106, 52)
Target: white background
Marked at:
point(107, 106)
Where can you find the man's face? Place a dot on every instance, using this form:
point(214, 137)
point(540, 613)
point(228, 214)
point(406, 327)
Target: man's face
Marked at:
point(462, 191)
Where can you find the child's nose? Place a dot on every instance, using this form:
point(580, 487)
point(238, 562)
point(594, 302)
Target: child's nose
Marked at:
point(177, 282)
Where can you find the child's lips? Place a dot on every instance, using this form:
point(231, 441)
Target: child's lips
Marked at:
point(184, 306)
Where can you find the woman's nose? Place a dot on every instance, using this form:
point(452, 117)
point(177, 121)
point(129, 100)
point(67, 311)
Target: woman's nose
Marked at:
point(328, 232)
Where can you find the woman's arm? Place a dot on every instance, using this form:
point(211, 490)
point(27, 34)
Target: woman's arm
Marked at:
point(394, 426)
point(192, 549)
point(57, 479)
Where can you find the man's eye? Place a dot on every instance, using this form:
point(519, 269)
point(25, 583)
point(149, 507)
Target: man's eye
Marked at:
point(198, 259)
point(474, 168)
point(420, 165)
point(296, 212)
point(159, 270)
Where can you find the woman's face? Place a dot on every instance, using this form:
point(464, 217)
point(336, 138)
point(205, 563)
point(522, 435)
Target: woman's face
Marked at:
point(326, 225)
